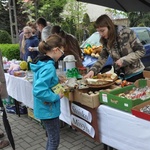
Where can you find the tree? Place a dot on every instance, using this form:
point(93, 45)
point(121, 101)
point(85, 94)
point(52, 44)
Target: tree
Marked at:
point(86, 20)
point(139, 18)
point(4, 17)
point(73, 15)
point(49, 9)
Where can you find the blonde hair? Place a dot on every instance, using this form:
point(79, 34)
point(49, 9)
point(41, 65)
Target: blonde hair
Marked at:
point(23, 43)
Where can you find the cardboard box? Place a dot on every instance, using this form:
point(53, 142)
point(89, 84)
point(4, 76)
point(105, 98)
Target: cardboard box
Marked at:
point(31, 115)
point(112, 99)
point(69, 95)
point(136, 111)
point(146, 74)
point(93, 123)
point(82, 97)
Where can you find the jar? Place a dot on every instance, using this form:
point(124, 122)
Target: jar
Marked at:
point(82, 70)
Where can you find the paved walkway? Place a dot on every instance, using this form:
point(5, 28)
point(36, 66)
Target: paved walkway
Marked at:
point(30, 135)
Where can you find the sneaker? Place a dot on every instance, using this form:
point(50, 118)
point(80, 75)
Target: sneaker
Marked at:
point(1, 135)
point(4, 143)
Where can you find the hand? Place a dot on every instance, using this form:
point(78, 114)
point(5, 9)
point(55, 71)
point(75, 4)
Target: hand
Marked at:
point(89, 75)
point(62, 78)
point(61, 94)
point(119, 63)
point(31, 49)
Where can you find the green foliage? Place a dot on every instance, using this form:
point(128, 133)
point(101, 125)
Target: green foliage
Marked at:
point(73, 16)
point(4, 37)
point(91, 28)
point(4, 17)
point(11, 51)
point(116, 13)
point(51, 10)
point(74, 10)
point(138, 18)
point(86, 20)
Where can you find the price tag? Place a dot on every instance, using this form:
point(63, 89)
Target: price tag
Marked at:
point(125, 104)
point(104, 98)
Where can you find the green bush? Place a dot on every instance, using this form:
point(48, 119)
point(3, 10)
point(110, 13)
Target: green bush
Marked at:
point(5, 37)
point(11, 51)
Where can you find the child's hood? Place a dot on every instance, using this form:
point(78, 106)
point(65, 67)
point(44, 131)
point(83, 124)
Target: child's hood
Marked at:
point(41, 61)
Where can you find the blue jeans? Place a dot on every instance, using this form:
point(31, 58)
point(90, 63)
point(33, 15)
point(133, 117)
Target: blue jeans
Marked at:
point(52, 127)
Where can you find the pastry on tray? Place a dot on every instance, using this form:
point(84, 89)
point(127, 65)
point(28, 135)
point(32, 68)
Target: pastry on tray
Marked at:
point(102, 79)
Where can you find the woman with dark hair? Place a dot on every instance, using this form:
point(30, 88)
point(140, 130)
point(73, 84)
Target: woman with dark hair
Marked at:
point(72, 46)
point(122, 45)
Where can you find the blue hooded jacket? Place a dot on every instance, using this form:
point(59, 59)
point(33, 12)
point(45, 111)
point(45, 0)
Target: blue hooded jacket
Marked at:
point(46, 102)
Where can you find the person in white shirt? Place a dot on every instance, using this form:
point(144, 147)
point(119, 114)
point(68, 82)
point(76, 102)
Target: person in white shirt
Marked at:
point(45, 30)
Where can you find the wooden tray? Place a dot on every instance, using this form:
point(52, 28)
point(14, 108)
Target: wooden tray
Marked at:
point(102, 85)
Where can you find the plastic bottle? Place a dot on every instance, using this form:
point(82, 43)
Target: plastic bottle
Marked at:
point(29, 60)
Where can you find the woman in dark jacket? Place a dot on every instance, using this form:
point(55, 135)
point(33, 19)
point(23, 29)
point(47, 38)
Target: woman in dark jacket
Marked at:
point(29, 40)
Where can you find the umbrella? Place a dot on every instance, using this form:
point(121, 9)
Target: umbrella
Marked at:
point(7, 125)
point(123, 5)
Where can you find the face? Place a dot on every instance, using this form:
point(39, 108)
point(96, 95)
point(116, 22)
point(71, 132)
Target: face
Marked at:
point(27, 33)
point(103, 31)
point(39, 27)
point(58, 52)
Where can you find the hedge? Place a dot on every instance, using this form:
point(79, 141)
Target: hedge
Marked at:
point(5, 37)
point(10, 51)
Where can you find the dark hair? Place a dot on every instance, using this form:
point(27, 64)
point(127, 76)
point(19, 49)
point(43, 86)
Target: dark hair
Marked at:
point(41, 21)
point(50, 43)
point(105, 21)
point(57, 30)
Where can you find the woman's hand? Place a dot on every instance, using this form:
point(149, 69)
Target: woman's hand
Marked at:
point(89, 75)
point(119, 63)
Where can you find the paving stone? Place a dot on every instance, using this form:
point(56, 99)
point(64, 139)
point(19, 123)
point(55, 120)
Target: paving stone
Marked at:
point(30, 135)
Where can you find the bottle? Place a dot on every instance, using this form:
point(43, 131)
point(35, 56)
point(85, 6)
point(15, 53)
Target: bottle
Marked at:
point(29, 60)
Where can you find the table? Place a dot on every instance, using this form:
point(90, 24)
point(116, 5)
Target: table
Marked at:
point(21, 90)
point(117, 129)
point(122, 130)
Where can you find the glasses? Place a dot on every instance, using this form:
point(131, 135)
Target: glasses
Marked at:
point(27, 32)
point(61, 51)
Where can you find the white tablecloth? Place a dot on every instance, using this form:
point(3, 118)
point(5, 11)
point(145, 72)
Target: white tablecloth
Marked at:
point(118, 129)
point(122, 130)
point(21, 90)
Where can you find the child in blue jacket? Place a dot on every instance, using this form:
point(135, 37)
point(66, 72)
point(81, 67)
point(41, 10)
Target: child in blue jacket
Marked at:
point(46, 102)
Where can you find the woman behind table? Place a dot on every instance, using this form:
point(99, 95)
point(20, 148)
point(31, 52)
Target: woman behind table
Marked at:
point(122, 45)
point(46, 102)
point(72, 45)
point(29, 40)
